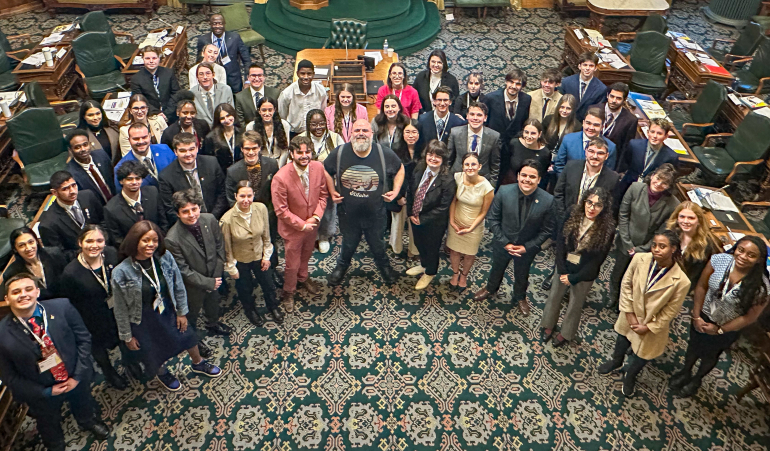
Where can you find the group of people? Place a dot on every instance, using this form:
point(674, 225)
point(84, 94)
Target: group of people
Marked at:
point(150, 215)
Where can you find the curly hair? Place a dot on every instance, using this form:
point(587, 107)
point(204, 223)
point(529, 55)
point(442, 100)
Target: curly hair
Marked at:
point(753, 291)
point(338, 115)
point(329, 144)
point(696, 250)
point(601, 232)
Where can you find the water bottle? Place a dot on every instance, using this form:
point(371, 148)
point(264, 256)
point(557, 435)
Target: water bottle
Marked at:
point(385, 47)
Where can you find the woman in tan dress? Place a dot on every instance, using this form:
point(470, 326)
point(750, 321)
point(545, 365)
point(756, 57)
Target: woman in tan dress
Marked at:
point(466, 218)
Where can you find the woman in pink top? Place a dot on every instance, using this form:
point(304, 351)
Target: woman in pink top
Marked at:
point(345, 111)
point(396, 85)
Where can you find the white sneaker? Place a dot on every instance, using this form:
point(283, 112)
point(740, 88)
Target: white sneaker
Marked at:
point(323, 246)
point(424, 281)
point(415, 270)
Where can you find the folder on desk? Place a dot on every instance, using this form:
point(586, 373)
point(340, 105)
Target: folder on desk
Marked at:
point(717, 70)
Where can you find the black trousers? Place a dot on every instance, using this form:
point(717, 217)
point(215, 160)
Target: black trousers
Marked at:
point(622, 261)
point(249, 275)
point(428, 240)
point(373, 229)
point(47, 413)
point(635, 363)
point(198, 299)
point(500, 260)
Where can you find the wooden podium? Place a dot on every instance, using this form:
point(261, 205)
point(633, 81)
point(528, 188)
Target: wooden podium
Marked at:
point(309, 4)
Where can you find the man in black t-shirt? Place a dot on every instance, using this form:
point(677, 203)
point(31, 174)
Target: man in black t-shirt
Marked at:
point(358, 176)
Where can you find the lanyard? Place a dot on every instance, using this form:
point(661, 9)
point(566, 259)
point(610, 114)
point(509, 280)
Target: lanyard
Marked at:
point(587, 183)
point(443, 129)
point(391, 137)
point(155, 283)
point(346, 123)
point(29, 330)
point(322, 146)
point(723, 285)
point(231, 143)
point(105, 283)
point(393, 92)
point(652, 279)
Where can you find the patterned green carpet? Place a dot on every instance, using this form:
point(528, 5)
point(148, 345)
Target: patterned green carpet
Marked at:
point(368, 366)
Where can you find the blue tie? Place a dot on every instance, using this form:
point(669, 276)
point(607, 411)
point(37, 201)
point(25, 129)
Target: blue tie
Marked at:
point(156, 83)
point(440, 128)
point(474, 143)
point(219, 45)
point(585, 147)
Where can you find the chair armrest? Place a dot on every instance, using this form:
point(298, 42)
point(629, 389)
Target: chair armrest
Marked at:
point(724, 41)
point(18, 55)
point(625, 36)
point(754, 204)
point(743, 60)
point(682, 102)
point(125, 35)
point(710, 138)
point(63, 105)
point(18, 161)
point(689, 124)
point(761, 85)
point(122, 63)
point(83, 77)
point(742, 163)
point(26, 37)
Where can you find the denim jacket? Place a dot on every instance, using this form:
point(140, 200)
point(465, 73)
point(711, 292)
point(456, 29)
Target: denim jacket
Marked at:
point(127, 292)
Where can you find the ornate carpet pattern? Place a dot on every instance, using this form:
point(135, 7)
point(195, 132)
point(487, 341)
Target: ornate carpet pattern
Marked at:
point(368, 366)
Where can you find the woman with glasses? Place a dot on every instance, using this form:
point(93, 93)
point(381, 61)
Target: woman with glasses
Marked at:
point(398, 85)
point(137, 112)
point(324, 140)
point(410, 154)
point(345, 111)
point(273, 130)
point(102, 133)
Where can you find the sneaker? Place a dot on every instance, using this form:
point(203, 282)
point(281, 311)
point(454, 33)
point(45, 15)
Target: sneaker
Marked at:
point(323, 246)
point(204, 367)
point(629, 384)
point(169, 381)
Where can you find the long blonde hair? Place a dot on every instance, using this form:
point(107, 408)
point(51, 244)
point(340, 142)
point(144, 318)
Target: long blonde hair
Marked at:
point(697, 247)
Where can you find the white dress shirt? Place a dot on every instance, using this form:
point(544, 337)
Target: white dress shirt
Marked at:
point(293, 105)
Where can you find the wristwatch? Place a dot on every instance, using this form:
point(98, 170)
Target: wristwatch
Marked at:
point(720, 331)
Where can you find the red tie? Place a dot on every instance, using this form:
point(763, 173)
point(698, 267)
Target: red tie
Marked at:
point(95, 174)
point(59, 372)
point(417, 207)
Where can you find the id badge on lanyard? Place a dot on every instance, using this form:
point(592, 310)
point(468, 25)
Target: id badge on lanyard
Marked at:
point(158, 303)
point(50, 356)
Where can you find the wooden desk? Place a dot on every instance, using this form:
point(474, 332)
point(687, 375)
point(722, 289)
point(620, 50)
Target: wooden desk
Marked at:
point(690, 77)
point(644, 121)
point(56, 81)
point(323, 57)
point(600, 9)
point(573, 47)
point(176, 60)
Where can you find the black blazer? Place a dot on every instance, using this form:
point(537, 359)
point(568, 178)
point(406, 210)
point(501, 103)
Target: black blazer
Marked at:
point(507, 227)
point(435, 205)
point(637, 151)
point(53, 266)
point(237, 172)
point(244, 104)
point(422, 85)
point(119, 217)
point(568, 185)
point(83, 179)
point(201, 129)
point(19, 353)
point(215, 146)
point(58, 229)
point(621, 133)
point(199, 267)
point(497, 120)
point(168, 85)
point(426, 123)
point(173, 179)
point(590, 263)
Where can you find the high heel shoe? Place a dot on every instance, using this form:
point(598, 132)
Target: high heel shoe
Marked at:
point(454, 274)
point(465, 275)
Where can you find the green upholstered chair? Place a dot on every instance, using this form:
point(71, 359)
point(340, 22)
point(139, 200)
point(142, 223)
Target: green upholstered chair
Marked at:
point(481, 5)
point(97, 64)
point(697, 118)
point(742, 48)
point(744, 149)
point(755, 78)
point(39, 144)
point(648, 58)
point(654, 22)
point(8, 81)
point(237, 19)
point(97, 21)
point(351, 30)
point(7, 225)
point(67, 111)
point(19, 53)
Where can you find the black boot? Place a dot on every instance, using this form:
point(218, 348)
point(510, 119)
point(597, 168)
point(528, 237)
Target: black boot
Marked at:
point(679, 380)
point(255, 318)
point(335, 278)
point(113, 378)
point(690, 389)
point(610, 365)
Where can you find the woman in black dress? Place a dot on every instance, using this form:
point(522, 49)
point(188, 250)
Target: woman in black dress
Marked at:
point(529, 145)
point(86, 283)
point(223, 141)
point(46, 264)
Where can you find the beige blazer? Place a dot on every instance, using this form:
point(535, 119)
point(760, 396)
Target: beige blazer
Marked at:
point(536, 106)
point(157, 126)
point(655, 308)
point(246, 242)
point(113, 137)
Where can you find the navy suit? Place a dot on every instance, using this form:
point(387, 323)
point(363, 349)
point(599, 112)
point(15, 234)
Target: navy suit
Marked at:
point(426, 123)
point(596, 92)
point(240, 59)
point(497, 119)
point(572, 148)
point(162, 155)
point(83, 178)
point(168, 87)
point(637, 151)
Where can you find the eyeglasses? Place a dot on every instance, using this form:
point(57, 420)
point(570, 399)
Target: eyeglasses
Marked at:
point(139, 108)
point(256, 75)
point(591, 204)
point(599, 153)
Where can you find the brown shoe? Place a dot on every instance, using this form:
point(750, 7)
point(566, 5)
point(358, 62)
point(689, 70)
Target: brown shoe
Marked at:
point(287, 302)
point(311, 286)
point(481, 295)
point(524, 307)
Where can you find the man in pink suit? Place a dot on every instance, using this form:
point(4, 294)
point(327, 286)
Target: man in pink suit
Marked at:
point(299, 197)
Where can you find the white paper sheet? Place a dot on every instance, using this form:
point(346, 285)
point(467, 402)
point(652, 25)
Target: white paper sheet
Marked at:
point(36, 59)
point(376, 55)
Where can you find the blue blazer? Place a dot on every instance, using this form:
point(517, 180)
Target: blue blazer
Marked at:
point(427, 126)
point(162, 155)
point(240, 59)
point(83, 179)
point(19, 353)
point(497, 119)
point(596, 92)
point(572, 149)
point(637, 150)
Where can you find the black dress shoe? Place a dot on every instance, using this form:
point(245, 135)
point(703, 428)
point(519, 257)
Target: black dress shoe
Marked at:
point(100, 430)
point(546, 335)
point(204, 350)
point(277, 315)
point(557, 343)
point(219, 328)
point(609, 366)
point(679, 380)
point(255, 318)
point(389, 275)
point(135, 370)
point(116, 380)
point(690, 389)
point(546, 284)
point(335, 278)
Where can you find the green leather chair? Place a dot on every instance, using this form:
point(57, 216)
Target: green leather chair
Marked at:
point(743, 47)
point(755, 78)
point(97, 21)
point(8, 81)
point(744, 149)
point(481, 4)
point(237, 19)
point(648, 58)
point(351, 30)
point(39, 144)
point(18, 54)
point(7, 225)
point(695, 122)
point(97, 64)
point(654, 22)
point(36, 99)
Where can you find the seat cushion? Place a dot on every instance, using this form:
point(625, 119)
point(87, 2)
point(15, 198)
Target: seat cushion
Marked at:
point(39, 174)
point(8, 82)
point(8, 225)
point(745, 81)
point(694, 135)
point(714, 160)
point(251, 38)
point(100, 85)
point(650, 81)
point(124, 51)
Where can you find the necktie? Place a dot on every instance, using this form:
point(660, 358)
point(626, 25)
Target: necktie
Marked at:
point(195, 184)
point(156, 83)
point(78, 215)
point(545, 106)
point(306, 183)
point(98, 178)
point(417, 207)
point(257, 96)
point(150, 165)
point(582, 89)
point(440, 128)
point(585, 145)
point(474, 143)
point(139, 210)
point(209, 104)
point(511, 110)
point(608, 124)
point(219, 45)
point(59, 372)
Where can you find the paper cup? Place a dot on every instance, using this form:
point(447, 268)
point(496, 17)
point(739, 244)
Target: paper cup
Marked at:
point(6, 110)
point(48, 55)
point(390, 52)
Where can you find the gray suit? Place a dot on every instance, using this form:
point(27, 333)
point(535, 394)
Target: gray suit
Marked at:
point(245, 107)
point(199, 267)
point(221, 93)
point(489, 155)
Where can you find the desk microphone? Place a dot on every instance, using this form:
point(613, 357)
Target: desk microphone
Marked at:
point(172, 27)
point(121, 88)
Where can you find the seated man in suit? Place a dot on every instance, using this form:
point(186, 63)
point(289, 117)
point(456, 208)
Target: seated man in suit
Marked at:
point(91, 168)
point(521, 218)
point(545, 99)
point(158, 84)
point(438, 124)
point(647, 155)
point(620, 124)
point(155, 157)
point(134, 203)
point(233, 53)
point(588, 89)
point(62, 223)
point(210, 54)
point(478, 139)
point(197, 244)
point(188, 123)
point(63, 373)
point(193, 171)
point(208, 93)
point(246, 100)
point(300, 97)
point(574, 145)
point(509, 106)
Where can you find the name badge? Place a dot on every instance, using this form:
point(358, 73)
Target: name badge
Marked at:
point(225, 60)
point(158, 305)
point(573, 258)
point(49, 362)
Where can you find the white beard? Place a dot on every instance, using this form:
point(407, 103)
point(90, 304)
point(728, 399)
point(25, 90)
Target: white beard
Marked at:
point(359, 146)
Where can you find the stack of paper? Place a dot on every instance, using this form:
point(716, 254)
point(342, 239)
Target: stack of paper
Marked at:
point(138, 61)
point(53, 38)
point(676, 146)
point(754, 102)
point(63, 28)
point(376, 55)
point(764, 111)
point(13, 95)
point(652, 109)
point(36, 59)
point(115, 108)
point(154, 39)
point(593, 33)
